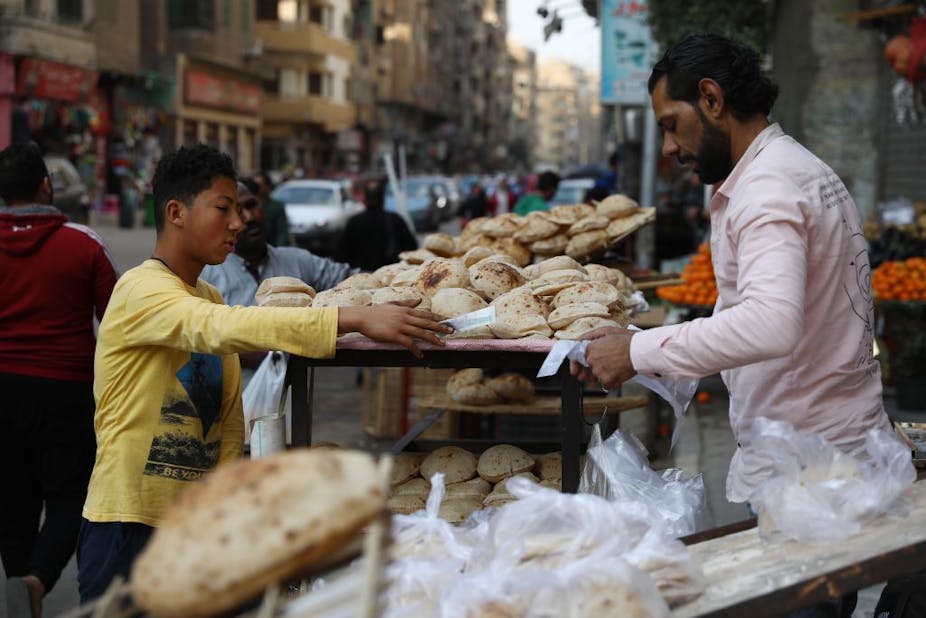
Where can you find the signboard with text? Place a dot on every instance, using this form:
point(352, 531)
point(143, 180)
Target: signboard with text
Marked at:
point(626, 47)
point(201, 88)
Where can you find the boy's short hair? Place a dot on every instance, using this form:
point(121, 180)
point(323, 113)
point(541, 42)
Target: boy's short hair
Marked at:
point(22, 170)
point(185, 173)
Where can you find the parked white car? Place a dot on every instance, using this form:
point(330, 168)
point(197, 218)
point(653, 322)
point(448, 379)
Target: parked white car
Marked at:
point(317, 211)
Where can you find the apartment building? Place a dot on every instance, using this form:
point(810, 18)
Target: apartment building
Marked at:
point(568, 116)
point(307, 55)
point(522, 130)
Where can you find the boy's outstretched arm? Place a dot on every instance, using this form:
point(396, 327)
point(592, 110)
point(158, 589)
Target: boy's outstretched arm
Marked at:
point(393, 323)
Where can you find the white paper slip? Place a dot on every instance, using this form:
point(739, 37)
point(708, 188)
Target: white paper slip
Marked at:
point(471, 320)
point(562, 349)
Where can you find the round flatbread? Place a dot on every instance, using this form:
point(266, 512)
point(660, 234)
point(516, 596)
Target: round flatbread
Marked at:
point(549, 466)
point(536, 226)
point(567, 314)
point(407, 277)
point(388, 272)
point(477, 254)
point(474, 395)
point(584, 325)
point(405, 466)
point(598, 272)
point(568, 214)
point(441, 273)
point(440, 244)
point(474, 488)
point(616, 206)
point(502, 226)
point(417, 256)
point(587, 291)
point(343, 298)
point(464, 377)
point(554, 245)
point(404, 294)
point(285, 299)
point(276, 285)
point(588, 224)
point(492, 279)
point(454, 463)
point(360, 281)
point(587, 244)
point(521, 254)
point(559, 262)
point(519, 301)
point(521, 326)
point(413, 487)
point(502, 461)
point(406, 504)
point(254, 523)
point(457, 510)
point(452, 302)
point(512, 386)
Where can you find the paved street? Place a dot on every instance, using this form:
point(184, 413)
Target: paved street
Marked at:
point(706, 443)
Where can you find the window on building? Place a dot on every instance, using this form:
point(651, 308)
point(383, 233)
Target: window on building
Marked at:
point(315, 84)
point(226, 14)
point(192, 14)
point(212, 135)
point(70, 11)
point(292, 83)
point(266, 10)
point(231, 145)
point(190, 136)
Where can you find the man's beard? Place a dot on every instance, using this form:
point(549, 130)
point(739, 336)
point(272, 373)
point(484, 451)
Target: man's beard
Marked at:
point(247, 243)
point(713, 157)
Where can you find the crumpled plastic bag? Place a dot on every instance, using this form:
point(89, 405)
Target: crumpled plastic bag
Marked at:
point(618, 470)
point(814, 492)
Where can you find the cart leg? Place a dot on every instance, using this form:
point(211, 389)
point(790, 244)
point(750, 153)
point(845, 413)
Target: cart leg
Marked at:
point(302, 400)
point(571, 416)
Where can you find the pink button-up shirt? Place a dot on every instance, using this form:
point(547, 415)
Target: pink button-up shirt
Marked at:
point(792, 330)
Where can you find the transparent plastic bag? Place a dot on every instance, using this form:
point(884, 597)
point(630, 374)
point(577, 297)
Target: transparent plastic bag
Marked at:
point(266, 408)
point(815, 493)
point(618, 470)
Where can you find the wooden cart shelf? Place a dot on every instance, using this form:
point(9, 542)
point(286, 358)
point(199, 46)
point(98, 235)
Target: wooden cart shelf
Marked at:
point(540, 405)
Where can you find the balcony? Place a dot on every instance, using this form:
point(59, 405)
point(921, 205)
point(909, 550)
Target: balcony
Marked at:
point(304, 38)
point(329, 114)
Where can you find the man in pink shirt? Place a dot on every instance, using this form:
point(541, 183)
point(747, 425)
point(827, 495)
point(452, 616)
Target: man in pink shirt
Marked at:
point(792, 330)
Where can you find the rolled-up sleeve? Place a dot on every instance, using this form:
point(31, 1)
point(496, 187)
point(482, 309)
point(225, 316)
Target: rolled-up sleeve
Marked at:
point(767, 236)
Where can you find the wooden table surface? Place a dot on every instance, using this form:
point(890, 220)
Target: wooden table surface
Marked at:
point(748, 577)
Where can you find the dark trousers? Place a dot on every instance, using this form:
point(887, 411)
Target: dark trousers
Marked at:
point(105, 550)
point(46, 454)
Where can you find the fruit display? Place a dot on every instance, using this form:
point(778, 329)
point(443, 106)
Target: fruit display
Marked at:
point(699, 288)
point(900, 280)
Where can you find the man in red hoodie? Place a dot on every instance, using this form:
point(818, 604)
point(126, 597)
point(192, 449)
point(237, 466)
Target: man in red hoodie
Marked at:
point(54, 276)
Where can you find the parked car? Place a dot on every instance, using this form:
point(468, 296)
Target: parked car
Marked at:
point(70, 192)
point(572, 191)
point(425, 198)
point(317, 211)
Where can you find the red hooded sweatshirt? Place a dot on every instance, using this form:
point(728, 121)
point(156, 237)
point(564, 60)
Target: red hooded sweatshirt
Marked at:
point(54, 275)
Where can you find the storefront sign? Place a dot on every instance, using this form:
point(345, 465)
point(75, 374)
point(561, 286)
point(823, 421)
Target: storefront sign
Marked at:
point(200, 88)
point(44, 79)
point(626, 47)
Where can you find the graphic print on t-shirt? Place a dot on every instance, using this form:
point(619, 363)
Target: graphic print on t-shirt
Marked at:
point(180, 451)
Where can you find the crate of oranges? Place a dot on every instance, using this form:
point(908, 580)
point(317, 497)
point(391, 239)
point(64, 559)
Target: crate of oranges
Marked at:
point(699, 288)
point(900, 280)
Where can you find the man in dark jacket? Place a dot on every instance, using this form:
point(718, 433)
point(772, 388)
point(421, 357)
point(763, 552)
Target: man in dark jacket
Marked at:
point(374, 238)
point(55, 276)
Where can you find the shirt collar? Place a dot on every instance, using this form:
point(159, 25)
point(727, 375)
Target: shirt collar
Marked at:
point(769, 133)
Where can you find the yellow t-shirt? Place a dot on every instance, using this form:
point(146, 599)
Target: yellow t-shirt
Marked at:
point(168, 385)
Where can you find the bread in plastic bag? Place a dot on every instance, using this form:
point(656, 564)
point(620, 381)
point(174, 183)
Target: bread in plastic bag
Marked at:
point(618, 470)
point(815, 493)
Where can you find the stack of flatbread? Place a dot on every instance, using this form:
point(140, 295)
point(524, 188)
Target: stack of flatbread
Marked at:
point(471, 387)
point(284, 292)
point(471, 483)
point(254, 523)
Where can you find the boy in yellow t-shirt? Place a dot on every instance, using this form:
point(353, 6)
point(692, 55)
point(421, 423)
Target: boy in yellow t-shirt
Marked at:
point(167, 377)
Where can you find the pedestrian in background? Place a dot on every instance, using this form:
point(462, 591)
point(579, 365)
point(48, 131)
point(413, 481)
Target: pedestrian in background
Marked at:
point(547, 183)
point(475, 204)
point(374, 237)
point(168, 381)
point(55, 277)
point(274, 210)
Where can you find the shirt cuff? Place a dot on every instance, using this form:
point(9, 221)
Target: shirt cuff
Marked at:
point(646, 352)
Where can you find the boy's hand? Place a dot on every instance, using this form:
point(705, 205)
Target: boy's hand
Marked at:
point(393, 323)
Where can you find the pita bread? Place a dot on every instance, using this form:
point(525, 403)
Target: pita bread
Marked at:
point(521, 327)
point(569, 214)
point(587, 291)
point(579, 327)
point(502, 226)
point(587, 244)
point(441, 273)
point(390, 294)
point(536, 226)
point(474, 395)
point(567, 314)
point(616, 206)
point(550, 466)
point(477, 254)
point(451, 302)
point(554, 245)
point(454, 463)
point(276, 285)
point(500, 495)
point(519, 301)
point(619, 229)
point(440, 244)
point(520, 253)
point(360, 281)
point(405, 466)
point(476, 240)
point(464, 377)
point(343, 298)
point(512, 386)
point(413, 487)
point(474, 227)
point(502, 461)
point(457, 510)
point(598, 272)
point(254, 523)
point(549, 284)
point(474, 488)
point(285, 299)
point(418, 256)
point(492, 279)
point(588, 224)
point(406, 504)
point(389, 271)
point(559, 262)
point(407, 277)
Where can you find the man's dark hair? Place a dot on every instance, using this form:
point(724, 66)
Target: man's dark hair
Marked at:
point(548, 181)
point(185, 173)
point(22, 170)
point(374, 193)
point(251, 184)
point(732, 65)
point(595, 194)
